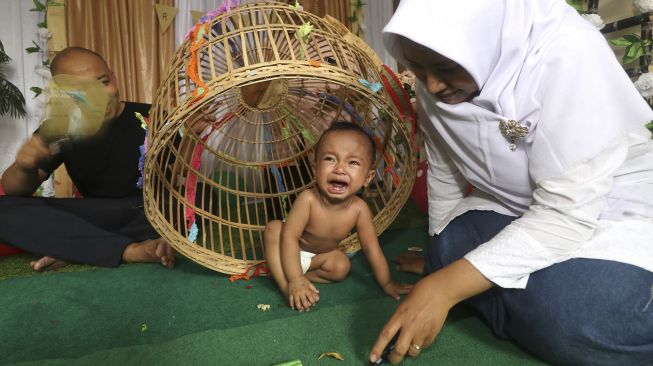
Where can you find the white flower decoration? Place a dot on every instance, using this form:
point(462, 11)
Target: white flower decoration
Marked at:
point(644, 6)
point(44, 33)
point(644, 85)
point(407, 77)
point(43, 71)
point(594, 20)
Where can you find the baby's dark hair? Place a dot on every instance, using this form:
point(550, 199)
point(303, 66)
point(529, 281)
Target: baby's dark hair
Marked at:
point(69, 51)
point(349, 127)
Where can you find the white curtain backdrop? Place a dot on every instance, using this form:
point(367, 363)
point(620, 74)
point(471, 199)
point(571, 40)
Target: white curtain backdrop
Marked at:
point(17, 31)
point(376, 15)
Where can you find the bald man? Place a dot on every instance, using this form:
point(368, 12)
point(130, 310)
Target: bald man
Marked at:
point(108, 225)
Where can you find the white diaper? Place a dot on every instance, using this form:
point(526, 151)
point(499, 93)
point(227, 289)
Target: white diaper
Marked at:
point(305, 259)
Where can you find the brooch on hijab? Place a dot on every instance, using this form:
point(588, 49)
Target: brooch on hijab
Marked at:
point(513, 132)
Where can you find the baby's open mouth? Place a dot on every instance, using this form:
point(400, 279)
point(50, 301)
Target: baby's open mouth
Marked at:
point(337, 186)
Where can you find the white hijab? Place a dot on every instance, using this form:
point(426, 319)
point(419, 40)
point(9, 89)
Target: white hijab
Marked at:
point(535, 61)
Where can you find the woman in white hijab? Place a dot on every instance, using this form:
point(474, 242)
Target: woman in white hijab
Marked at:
point(525, 101)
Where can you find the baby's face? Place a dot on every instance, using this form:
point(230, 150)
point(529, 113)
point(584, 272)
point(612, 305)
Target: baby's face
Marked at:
point(343, 164)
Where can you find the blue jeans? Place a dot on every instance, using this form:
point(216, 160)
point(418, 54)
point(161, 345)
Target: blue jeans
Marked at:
point(578, 312)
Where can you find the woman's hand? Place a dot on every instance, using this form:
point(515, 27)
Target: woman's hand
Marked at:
point(419, 319)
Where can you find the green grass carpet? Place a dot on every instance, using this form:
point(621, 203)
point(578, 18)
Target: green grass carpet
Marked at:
point(145, 314)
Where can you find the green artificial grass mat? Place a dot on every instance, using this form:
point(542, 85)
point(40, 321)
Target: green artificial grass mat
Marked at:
point(305, 336)
point(18, 265)
point(144, 314)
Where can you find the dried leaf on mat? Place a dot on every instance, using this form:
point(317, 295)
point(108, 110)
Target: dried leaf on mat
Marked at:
point(335, 355)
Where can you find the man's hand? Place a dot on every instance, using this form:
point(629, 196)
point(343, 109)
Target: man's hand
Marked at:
point(29, 169)
point(302, 294)
point(32, 154)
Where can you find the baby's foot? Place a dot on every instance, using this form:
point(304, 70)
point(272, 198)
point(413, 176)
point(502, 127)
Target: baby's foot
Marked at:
point(156, 250)
point(47, 264)
point(410, 263)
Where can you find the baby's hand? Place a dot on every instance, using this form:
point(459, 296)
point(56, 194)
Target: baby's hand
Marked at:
point(394, 289)
point(302, 294)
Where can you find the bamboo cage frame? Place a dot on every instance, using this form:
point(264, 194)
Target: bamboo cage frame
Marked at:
point(271, 89)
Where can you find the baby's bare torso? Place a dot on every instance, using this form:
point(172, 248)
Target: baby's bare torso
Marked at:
point(328, 225)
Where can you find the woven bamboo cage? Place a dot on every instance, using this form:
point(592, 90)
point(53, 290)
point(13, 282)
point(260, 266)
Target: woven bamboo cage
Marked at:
point(272, 85)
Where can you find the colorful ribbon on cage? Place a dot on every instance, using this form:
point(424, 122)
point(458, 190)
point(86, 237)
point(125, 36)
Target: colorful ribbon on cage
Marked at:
point(191, 178)
point(193, 66)
point(197, 38)
point(142, 149)
point(399, 97)
point(260, 269)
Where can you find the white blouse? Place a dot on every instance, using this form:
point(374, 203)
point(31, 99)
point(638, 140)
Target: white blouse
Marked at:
point(600, 209)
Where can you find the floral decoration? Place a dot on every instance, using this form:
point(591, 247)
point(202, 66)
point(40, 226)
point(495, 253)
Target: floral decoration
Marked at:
point(644, 85)
point(644, 6)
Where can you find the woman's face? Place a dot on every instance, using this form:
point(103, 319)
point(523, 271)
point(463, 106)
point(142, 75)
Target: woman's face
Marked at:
point(443, 78)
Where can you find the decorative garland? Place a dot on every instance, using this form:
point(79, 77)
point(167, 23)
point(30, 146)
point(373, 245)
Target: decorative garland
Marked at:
point(143, 148)
point(357, 18)
point(43, 34)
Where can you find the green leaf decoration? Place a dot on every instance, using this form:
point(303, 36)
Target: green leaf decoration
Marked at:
point(649, 125)
point(36, 90)
point(632, 38)
point(620, 42)
point(42, 25)
point(304, 30)
point(579, 5)
point(34, 49)
point(634, 46)
point(633, 52)
point(38, 6)
point(289, 363)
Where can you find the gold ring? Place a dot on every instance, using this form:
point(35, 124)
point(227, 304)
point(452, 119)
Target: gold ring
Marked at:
point(416, 347)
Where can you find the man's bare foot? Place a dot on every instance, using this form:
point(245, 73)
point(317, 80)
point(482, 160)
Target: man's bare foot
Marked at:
point(47, 263)
point(410, 263)
point(156, 250)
